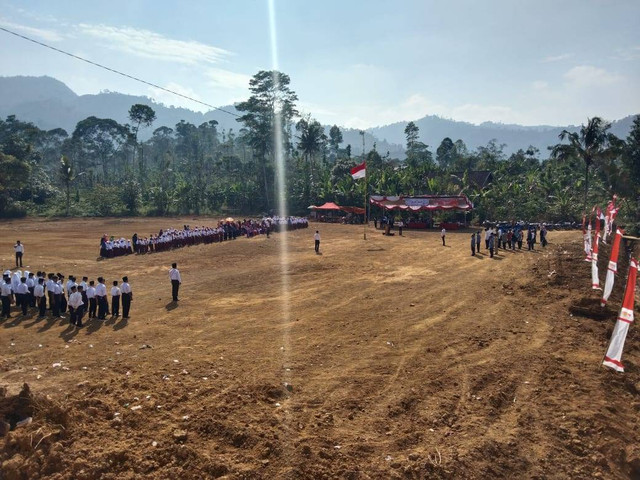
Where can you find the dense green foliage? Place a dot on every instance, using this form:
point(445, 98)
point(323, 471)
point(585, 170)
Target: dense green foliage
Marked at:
point(102, 168)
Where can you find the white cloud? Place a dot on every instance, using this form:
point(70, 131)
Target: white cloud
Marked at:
point(627, 54)
point(41, 33)
point(148, 44)
point(220, 78)
point(540, 85)
point(589, 76)
point(557, 58)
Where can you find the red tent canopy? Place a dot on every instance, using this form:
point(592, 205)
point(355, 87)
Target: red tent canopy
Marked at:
point(422, 203)
point(327, 206)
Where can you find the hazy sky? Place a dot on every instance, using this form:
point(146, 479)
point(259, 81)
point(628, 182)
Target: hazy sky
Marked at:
point(354, 63)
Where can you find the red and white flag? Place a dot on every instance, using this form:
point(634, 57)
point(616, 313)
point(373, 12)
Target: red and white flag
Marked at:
point(612, 269)
point(613, 356)
point(359, 171)
point(609, 217)
point(595, 280)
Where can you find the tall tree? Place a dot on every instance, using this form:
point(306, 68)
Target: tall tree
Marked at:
point(412, 132)
point(270, 97)
point(140, 116)
point(335, 139)
point(591, 144)
point(446, 153)
point(67, 175)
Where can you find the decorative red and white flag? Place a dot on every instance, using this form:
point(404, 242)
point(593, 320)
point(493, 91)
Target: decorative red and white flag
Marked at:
point(613, 357)
point(359, 171)
point(595, 280)
point(609, 217)
point(612, 269)
point(587, 244)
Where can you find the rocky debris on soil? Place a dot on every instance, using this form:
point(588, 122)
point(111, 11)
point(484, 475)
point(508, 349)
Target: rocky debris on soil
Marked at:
point(180, 436)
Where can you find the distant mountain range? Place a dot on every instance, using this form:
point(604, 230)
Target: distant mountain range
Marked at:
point(49, 103)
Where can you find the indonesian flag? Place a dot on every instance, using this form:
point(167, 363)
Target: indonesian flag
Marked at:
point(612, 269)
point(613, 356)
point(359, 171)
point(595, 281)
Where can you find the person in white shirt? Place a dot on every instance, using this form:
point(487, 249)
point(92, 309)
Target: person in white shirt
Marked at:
point(31, 285)
point(6, 294)
point(91, 297)
point(19, 249)
point(76, 306)
point(127, 296)
point(316, 237)
point(38, 293)
point(22, 295)
point(176, 280)
point(443, 233)
point(51, 287)
point(57, 294)
point(101, 295)
point(115, 299)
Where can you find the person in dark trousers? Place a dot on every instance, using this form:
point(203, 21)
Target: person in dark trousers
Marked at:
point(443, 232)
point(80, 308)
point(127, 296)
point(6, 294)
point(19, 249)
point(103, 304)
point(176, 280)
point(115, 299)
point(478, 235)
point(41, 301)
point(491, 245)
point(31, 285)
point(91, 296)
point(473, 244)
point(316, 237)
point(57, 293)
point(22, 295)
point(400, 227)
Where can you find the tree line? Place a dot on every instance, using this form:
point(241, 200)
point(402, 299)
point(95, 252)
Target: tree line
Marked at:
point(102, 168)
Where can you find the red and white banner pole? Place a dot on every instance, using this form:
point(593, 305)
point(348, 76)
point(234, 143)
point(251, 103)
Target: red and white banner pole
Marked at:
point(595, 280)
point(613, 357)
point(612, 268)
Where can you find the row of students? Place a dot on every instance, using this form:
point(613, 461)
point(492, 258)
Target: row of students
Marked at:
point(33, 291)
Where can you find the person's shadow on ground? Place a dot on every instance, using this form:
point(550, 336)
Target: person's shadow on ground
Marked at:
point(172, 305)
point(121, 324)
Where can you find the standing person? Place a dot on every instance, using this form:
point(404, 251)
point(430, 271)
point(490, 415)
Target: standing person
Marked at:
point(19, 249)
point(400, 226)
point(127, 296)
point(443, 232)
point(51, 287)
point(491, 245)
point(6, 294)
point(487, 234)
point(478, 235)
point(81, 305)
point(91, 296)
point(22, 295)
point(473, 244)
point(115, 300)
point(543, 235)
point(73, 301)
point(316, 237)
point(31, 285)
point(101, 295)
point(38, 293)
point(57, 293)
point(176, 280)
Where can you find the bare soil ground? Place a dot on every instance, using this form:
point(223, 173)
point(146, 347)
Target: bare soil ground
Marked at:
point(396, 358)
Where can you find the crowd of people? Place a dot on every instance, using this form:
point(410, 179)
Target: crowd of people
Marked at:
point(172, 238)
point(42, 291)
point(508, 238)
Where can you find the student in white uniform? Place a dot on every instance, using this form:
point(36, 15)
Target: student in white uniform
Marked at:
point(38, 293)
point(19, 249)
point(176, 280)
point(127, 296)
point(6, 294)
point(115, 299)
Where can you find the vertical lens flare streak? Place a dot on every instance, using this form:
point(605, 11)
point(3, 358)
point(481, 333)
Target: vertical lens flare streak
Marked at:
point(278, 151)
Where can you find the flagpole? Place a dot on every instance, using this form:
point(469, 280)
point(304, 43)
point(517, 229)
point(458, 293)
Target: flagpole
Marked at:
point(366, 221)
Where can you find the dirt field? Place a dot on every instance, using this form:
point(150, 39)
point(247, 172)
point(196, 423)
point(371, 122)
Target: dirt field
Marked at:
point(398, 358)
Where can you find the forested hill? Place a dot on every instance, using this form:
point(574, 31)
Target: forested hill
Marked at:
point(433, 129)
point(49, 104)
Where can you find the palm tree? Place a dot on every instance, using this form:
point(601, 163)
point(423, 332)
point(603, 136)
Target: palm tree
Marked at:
point(311, 141)
point(591, 144)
